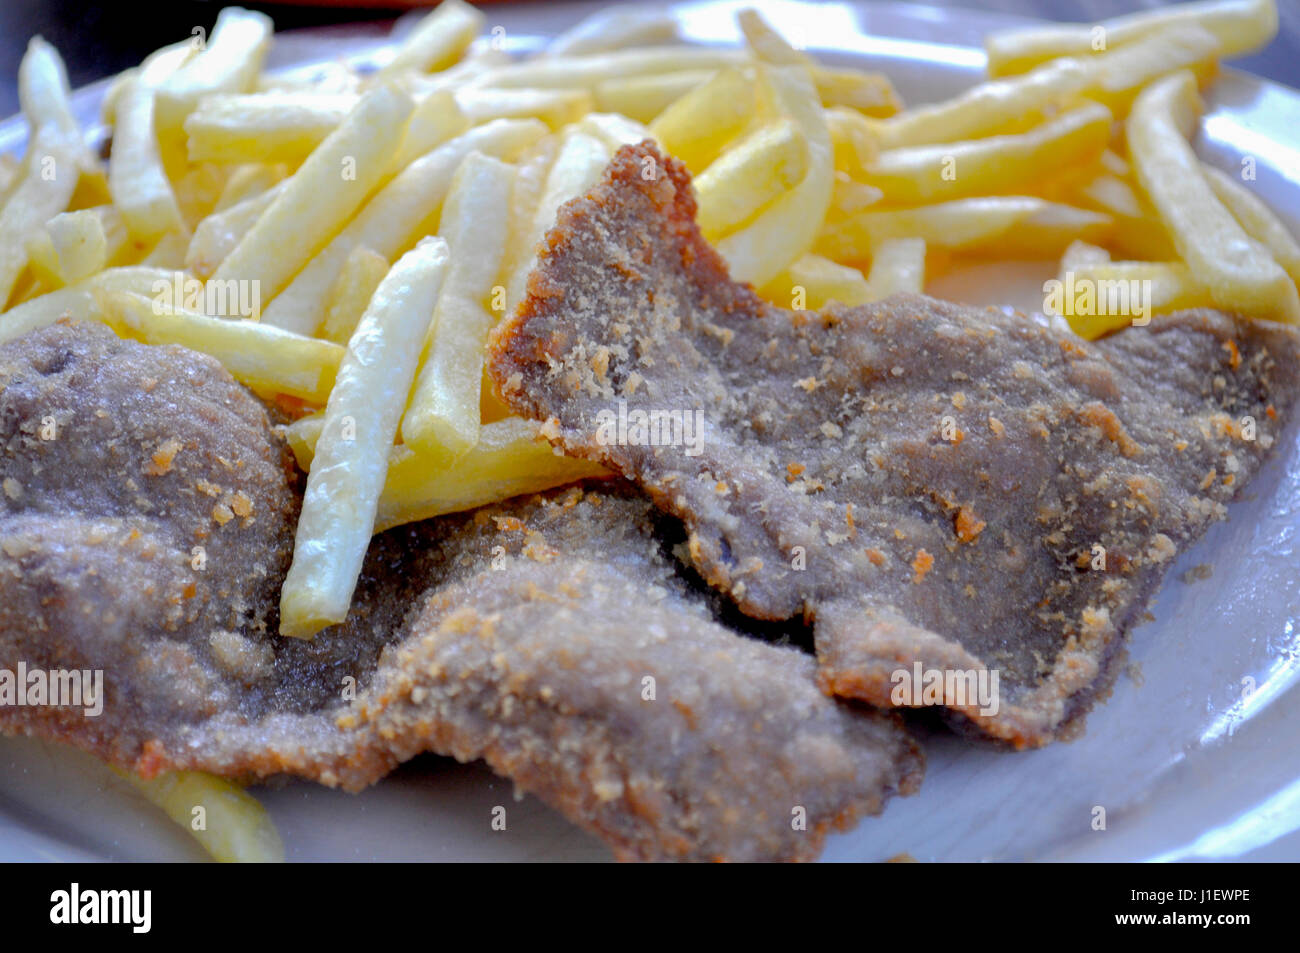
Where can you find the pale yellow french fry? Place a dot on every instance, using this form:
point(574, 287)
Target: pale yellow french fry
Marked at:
point(1239, 271)
point(786, 229)
point(510, 459)
point(45, 98)
point(198, 190)
point(555, 107)
point(442, 419)
point(897, 266)
point(750, 175)
point(613, 130)
point(614, 29)
point(586, 72)
point(358, 279)
point(525, 196)
point(1163, 287)
point(322, 195)
point(394, 217)
point(644, 98)
point(77, 302)
point(854, 139)
point(849, 196)
point(228, 62)
point(226, 820)
point(168, 252)
point(870, 93)
point(997, 164)
point(1079, 254)
point(137, 171)
point(813, 282)
point(71, 247)
point(997, 224)
point(1119, 75)
point(333, 77)
point(1258, 220)
point(351, 463)
point(249, 181)
point(1241, 27)
point(49, 177)
point(264, 127)
point(437, 41)
point(436, 120)
point(270, 360)
point(218, 234)
point(697, 127)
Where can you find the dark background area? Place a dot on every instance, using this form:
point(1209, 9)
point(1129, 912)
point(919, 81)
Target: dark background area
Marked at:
point(100, 40)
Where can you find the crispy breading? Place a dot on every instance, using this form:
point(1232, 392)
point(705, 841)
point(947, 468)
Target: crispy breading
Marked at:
point(927, 482)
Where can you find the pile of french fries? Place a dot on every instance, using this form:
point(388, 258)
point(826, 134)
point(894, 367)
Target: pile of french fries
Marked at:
point(344, 241)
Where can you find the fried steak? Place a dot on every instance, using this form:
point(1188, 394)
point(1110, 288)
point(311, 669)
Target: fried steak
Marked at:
point(550, 636)
point(926, 482)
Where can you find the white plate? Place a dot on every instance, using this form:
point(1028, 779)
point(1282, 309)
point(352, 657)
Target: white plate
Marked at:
point(1186, 764)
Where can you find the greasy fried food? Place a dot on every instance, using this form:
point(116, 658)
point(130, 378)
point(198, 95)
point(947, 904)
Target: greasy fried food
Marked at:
point(501, 634)
point(929, 483)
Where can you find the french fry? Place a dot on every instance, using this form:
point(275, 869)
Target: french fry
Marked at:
point(218, 234)
point(437, 41)
point(249, 181)
point(73, 246)
point(229, 62)
point(813, 282)
point(749, 176)
point(997, 164)
point(322, 195)
point(358, 279)
point(322, 78)
point(49, 176)
point(264, 127)
point(1139, 233)
point(786, 229)
point(1239, 271)
point(351, 463)
point(394, 217)
point(854, 139)
point(268, 359)
point(1118, 76)
point(697, 127)
point(236, 828)
point(849, 196)
point(1257, 219)
point(442, 419)
point(525, 196)
point(44, 96)
point(898, 265)
point(137, 173)
point(614, 29)
point(1169, 286)
point(1080, 254)
point(586, 72)
point(555, 107)
point(1241, 26)
point(997, 224)
point(198, 191)
point(644, 98)
point(77, 302)
point(613, 130)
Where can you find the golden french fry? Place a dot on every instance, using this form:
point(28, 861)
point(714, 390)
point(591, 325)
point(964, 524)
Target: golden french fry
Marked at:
point(395, 217)
point(228, 62)
point(442, 419)
point(997, 164)
point(322, 195)
point(1241, 26)
point(854, 138)
point(351, 292)
point(437, 41)
point(264, 127)
point(898, 265)
point(44, 96)
point(1239, 271)
point(813, 282)
point(236, 827)
point(218, 234)
point(348, 473)
point(1100, 297)
point(1118, 76)
point(1139, 233)
point(1257, 219)
point(697, 127)
point(270, 360)
point(644, 98)
point(49, 176)
point(786, 229)
point(525, 195)
point(1079, 254)
point(749, 176)
point(77, 302)
point(996, 224)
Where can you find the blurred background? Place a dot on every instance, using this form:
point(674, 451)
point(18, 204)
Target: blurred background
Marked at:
point(98, 41)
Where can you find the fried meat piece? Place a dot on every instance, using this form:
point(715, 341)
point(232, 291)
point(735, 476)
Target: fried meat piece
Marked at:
point(550, 636)
point(928, 483)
